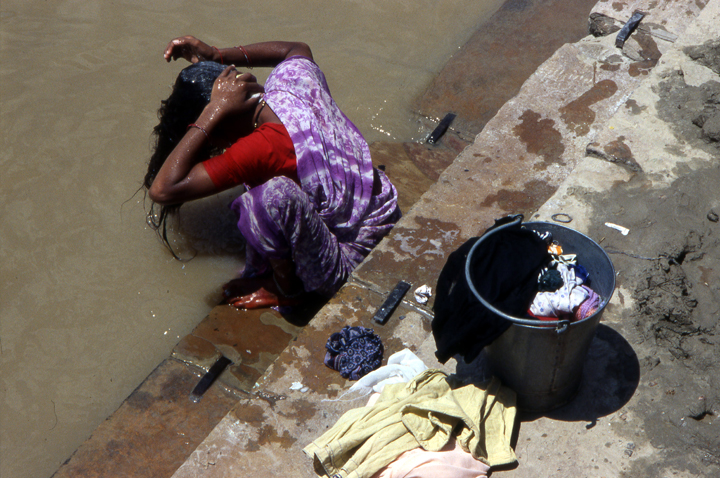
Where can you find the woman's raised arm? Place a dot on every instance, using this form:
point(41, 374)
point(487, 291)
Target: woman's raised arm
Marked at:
point(182, 177)
point(264, 54)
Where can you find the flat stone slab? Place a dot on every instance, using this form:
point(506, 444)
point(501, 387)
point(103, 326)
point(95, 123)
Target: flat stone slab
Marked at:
point(662, 19)
point(268, 430)
point(155, 429)
point(251, 339)
point(515, 164)
point(414, 167)
point(492, 66)
point(669, 425)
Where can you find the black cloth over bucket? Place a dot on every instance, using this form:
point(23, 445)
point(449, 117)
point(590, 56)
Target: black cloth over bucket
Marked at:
point(505, 274)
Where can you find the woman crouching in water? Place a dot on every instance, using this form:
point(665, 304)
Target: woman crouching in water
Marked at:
point(314, 206)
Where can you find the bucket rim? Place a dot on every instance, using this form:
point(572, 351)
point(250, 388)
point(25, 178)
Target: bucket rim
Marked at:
point(560, 325)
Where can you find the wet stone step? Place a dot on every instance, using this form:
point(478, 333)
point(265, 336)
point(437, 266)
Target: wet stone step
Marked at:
point(250, 339)
point(155, 429)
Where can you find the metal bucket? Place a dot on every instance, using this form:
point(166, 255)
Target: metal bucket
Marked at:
point(543, 361)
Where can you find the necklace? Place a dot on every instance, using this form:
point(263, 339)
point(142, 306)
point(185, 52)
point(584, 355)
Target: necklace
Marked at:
point(257, 118)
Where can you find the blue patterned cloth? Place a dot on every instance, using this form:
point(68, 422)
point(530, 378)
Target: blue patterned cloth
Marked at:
point(354, 352)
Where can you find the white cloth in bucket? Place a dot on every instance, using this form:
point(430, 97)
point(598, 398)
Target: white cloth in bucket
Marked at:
point(564, 300)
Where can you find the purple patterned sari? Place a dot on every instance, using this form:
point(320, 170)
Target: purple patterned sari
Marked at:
point(343, 207)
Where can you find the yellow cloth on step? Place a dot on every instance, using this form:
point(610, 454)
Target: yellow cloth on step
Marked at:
point(426, 411)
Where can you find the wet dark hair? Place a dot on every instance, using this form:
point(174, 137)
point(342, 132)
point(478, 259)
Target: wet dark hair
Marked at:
point(191, 93)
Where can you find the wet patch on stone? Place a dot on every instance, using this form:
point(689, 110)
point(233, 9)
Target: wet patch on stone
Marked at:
point(577, 114)
point(641, 67)
point(609, 66)
point(541, 138)
point(422, 242)
point(247, 412)
point(252, 340)
point(648, 46)
point(407, 176)
point(533, 194)
point(432, 160)
point(707, 54)
point(475, 85)
point(414, 253)
point(634, 108)
point(154, 431)
point(140, 400)
point(692, 112)
point(615, 152)
point(269, 435)
point(303, 360)
point(302, 411)
point(244, 376)
point(197, 351)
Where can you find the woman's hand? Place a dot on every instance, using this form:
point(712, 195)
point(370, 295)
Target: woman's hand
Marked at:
point(190, 48)
point(235, 94)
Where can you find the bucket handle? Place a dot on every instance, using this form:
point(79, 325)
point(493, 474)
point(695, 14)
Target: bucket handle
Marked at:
point(560, 325)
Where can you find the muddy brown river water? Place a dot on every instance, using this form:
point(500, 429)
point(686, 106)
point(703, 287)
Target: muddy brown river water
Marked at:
point(90, 301)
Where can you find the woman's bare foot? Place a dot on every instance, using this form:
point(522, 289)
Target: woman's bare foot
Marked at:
point(256, 293)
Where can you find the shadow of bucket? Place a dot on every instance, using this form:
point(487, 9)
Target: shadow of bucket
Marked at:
point(543, 364)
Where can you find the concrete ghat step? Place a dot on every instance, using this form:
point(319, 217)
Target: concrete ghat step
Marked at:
point(493, 64)
point(157, 427)
point(267, 431)
point(153, 431)
point(515, 165)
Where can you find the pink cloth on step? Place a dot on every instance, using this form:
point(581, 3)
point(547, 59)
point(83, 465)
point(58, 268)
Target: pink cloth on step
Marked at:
point(450, 462)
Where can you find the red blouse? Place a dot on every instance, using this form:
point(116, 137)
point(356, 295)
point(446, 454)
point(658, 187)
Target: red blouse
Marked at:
point(266, 153)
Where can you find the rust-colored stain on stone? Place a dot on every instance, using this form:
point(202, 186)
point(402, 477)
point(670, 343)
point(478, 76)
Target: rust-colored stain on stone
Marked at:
point(634, 108)
point(540, 137)
point(267, 435)
point(609, 67)
point(618, 6)
point(247, 412)
point(641, 67)
point(535, 192)
point(431, 160)
point(577, 114)
point(648, 46)
point(302, 411)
